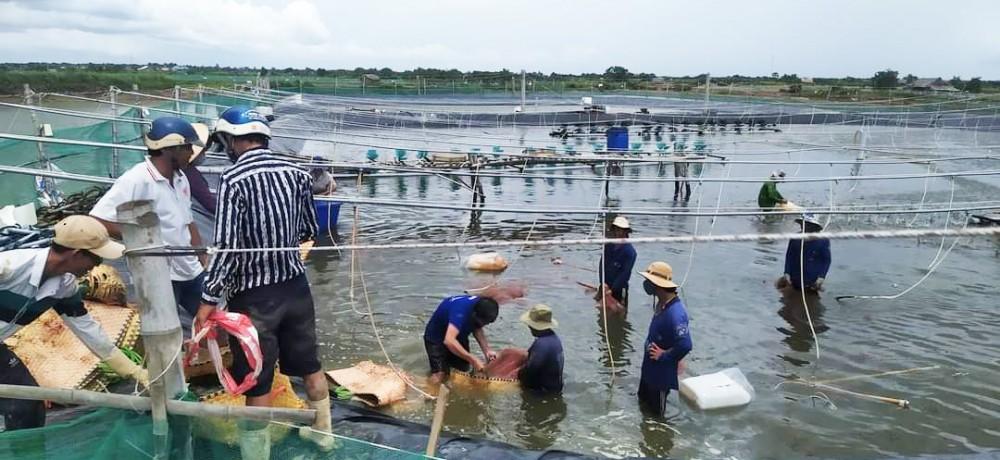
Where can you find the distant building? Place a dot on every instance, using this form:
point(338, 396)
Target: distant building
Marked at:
point(806, 79)
point(931, 84)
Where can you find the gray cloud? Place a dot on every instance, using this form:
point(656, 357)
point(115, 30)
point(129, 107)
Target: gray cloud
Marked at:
point(815, 38)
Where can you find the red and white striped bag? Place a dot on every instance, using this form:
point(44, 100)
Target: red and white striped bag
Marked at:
point(236, 325)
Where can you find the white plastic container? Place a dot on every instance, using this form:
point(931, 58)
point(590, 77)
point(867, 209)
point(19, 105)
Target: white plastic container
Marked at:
point(726, 388)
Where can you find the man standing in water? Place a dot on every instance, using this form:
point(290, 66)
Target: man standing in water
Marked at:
point(769, 197)
point(668, 341)
point(617, 263)
point(266, 202)
point(446, 337)
point(543, 370)
point(806, 262)
point(681, 175)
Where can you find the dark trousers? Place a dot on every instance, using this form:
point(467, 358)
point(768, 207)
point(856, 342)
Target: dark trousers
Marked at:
point(285, 318)
point(187, 294)
point(677, 189)
point(18, 413)
point(652, 401)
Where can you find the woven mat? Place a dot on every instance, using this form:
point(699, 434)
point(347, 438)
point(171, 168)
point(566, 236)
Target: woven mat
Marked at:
point(57, 358)
point(370, 383)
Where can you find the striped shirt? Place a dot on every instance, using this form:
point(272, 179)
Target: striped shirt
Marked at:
point(263, 202)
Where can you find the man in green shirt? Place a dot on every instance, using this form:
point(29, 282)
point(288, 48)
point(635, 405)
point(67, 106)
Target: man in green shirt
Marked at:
point(769, 197)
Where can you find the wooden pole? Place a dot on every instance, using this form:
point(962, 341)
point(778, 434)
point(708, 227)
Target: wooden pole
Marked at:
point(141, 403)
point(439, 408)
point(160, 328)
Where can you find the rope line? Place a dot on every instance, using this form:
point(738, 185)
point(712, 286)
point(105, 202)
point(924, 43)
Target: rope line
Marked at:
point(732, 238)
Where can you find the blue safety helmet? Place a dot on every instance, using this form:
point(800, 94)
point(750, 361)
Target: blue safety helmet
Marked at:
point(169, 132)
point(241, 121)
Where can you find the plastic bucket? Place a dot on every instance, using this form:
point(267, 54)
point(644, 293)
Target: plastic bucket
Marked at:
point(327, 213)
point(617, 139)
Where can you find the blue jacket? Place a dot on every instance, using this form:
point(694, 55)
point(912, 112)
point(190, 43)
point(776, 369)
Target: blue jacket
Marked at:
point(669, 330)
point(816, 261)
point(455, 311)
point(543, 370)
point(616, 267)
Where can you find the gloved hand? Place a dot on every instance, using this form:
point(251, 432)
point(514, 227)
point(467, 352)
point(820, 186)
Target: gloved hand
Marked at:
point(126, 368)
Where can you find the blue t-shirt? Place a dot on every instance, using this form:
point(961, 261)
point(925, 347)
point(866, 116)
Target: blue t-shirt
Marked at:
point(543, 370)
point(456, 311)
point(616, 267)
point(669, 329)
point(816, 261)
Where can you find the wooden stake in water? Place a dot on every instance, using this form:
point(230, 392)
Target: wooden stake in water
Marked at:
point(439, 408)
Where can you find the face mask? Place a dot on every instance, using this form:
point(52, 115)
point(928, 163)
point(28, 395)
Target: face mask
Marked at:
point(225, 142)
point(649, 287)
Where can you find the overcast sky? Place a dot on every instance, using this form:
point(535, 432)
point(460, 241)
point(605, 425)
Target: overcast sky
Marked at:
point(807, 37)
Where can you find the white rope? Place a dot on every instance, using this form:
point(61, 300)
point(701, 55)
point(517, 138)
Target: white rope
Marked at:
point(701, 194)
point(802, 290)
point(947, 221)
point(404, 454)
point(735, 238)
point(378, 337)
point(923, 197)
point(604, 303)
point(513, 208)
point(354, 252)
point(930, 271)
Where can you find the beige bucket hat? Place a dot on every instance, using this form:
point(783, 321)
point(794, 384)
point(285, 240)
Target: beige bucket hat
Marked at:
point(87, 233)
point(660, 274)
point(539, 318)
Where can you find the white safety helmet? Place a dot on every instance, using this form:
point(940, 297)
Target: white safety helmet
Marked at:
point(242, 121)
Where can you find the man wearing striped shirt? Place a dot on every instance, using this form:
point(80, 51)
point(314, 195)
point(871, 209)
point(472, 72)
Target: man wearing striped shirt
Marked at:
point(266, 202)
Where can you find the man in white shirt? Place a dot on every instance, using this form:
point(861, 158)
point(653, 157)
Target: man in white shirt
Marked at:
point(35, 280)
point(171, 142)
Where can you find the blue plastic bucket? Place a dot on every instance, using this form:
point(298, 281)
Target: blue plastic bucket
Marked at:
point(617, 139)
point(327, 213)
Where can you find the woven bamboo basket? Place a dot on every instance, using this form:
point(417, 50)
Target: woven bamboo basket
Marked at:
point(226, 431)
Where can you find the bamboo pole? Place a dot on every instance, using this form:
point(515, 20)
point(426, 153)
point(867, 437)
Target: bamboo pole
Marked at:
point(439, 408)
point(142, 403)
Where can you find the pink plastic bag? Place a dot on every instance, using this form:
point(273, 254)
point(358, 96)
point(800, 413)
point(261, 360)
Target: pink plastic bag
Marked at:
point(236, 325)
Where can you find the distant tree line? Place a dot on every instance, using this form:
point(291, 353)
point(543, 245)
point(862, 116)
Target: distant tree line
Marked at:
point(91, 76)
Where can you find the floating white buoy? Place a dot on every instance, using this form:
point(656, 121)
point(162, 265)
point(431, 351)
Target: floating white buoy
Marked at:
point(486, 262)
point(726, 388)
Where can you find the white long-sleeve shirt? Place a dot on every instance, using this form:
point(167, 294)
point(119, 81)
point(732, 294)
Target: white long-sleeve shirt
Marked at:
point(24, 296)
